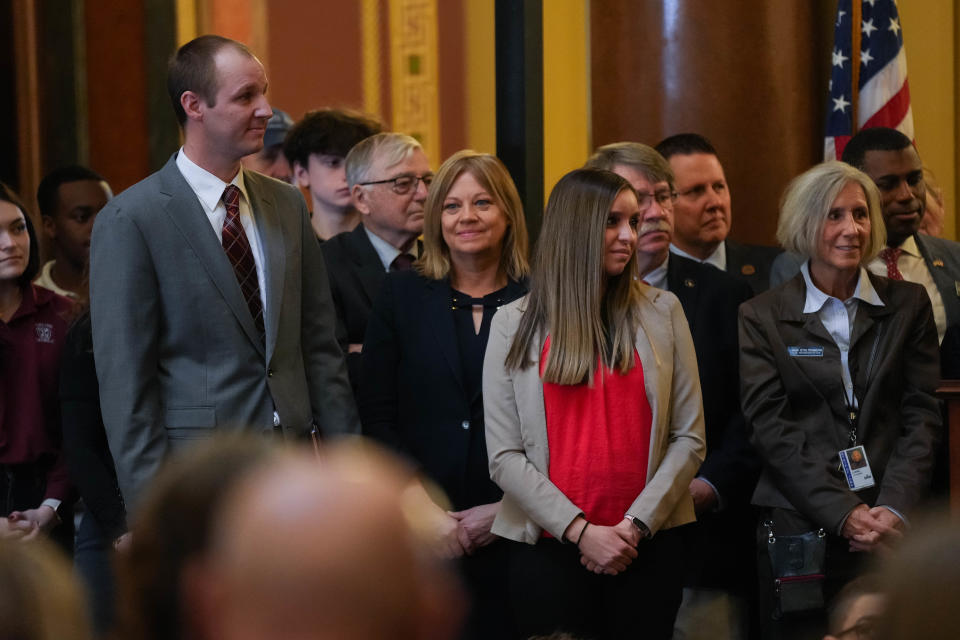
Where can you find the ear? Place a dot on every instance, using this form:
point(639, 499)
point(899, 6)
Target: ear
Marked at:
point(192, 105)
point(49, 227)
point(361, 199)
point(301, 175)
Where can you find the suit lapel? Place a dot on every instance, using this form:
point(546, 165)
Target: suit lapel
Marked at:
point(436, 305)
point(943, 278)
point(274, 257)
point(653, 370)
point(187, 214)
point(682, 283)
point(370, 270)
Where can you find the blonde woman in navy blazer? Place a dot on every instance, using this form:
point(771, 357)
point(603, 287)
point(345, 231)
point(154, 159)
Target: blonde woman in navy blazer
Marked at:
point(423, 358)
point(798, 401)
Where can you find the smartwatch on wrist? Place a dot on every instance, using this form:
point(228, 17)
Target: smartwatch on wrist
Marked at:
point(642, 528)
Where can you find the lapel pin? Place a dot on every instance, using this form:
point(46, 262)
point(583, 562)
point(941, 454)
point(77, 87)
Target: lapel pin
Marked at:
point(748, 269)
point(689, 283)
point(938, 262)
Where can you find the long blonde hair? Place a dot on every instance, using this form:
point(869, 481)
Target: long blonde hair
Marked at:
point(587, 315)
point(492, 176)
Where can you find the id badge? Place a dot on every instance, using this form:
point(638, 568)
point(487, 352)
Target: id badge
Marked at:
point(856, 468)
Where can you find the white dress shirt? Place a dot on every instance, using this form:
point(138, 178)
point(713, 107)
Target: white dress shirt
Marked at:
point(209, 190)
point(718, 258)
point(657, 277)
point(837, 317)
point(914, 269)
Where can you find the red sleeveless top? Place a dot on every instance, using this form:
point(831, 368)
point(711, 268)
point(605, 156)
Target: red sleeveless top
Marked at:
point(599, 440)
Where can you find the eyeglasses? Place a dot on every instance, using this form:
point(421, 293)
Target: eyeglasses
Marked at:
point(402, 185)
point(865, 629)
point(664, 198)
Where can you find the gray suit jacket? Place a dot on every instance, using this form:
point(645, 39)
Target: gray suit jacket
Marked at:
point(177, 353)
point(796, 409)
point(516, 426)
point(942, 258)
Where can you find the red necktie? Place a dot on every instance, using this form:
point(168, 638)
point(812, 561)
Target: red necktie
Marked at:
point(890, 256)
point(237, 248)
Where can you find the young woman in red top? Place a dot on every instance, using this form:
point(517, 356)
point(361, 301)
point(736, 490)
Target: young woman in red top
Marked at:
point(33, 324)
point(594, 424)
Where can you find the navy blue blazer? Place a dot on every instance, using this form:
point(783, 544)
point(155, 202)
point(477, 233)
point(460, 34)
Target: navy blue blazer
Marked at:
point(412, 393)
point(751, 263)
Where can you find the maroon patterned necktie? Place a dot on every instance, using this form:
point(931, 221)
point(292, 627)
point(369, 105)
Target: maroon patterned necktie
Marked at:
point(403, 262)
point(890, 255)
point(237, 248)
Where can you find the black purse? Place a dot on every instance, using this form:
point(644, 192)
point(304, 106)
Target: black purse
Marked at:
point(797, 563)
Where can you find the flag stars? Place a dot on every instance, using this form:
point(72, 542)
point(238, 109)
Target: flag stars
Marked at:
point(869, 2)
point(840, 15)
point(867, 27)
point(840, 104)
point(839, 58)
point(865, 57)
point(894, 26)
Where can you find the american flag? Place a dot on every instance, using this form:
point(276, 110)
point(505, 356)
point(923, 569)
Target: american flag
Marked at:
point(868, 74)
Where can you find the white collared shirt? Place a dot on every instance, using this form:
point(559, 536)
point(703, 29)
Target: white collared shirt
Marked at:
point(45, 280)
point(209, 191)
point(914, 269)
point(718, 258)
point(837, 317)
point(658, 277)
point(387, 252)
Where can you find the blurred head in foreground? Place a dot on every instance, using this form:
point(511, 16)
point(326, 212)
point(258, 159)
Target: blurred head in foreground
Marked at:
point(39, 597)
point(315, 550)
point(172, 529)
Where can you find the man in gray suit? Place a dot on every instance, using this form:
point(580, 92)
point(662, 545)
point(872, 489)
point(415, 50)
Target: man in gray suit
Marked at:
point(209, 297)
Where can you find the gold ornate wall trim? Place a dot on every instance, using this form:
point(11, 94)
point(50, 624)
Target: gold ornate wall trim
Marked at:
point(370, 55)
point(413, 69)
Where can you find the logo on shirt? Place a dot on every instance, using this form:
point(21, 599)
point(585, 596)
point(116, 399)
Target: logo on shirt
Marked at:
point(44, 332)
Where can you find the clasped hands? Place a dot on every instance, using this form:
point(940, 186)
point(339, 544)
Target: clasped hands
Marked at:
point(877, 529)
point(28, 524)
point(464, 532)
point(604, 550)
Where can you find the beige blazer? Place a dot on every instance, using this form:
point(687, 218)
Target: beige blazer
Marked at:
point(516, 429)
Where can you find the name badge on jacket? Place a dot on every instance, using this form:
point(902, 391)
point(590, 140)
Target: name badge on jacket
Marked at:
point(805, 352)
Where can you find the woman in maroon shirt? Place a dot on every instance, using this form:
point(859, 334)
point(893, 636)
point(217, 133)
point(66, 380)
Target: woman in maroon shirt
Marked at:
point(33, 324)
point(594, 424)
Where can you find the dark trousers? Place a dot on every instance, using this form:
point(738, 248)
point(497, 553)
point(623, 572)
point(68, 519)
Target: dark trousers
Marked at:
point(485, 576)
point(551, 591)
point(93, 562)
point(840, 567)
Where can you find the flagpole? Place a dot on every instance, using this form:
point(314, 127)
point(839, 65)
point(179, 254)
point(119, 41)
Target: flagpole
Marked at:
point(856, 7)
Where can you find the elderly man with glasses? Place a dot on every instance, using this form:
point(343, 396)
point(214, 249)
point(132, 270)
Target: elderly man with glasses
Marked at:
point(719, 556)
point(388, 175)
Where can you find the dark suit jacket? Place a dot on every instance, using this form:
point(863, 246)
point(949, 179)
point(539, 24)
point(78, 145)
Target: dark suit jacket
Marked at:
point(412, 394)
point(177, 352)
point(356, 274)
point(720, 549)
point(751, 263)
point(796, 410)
